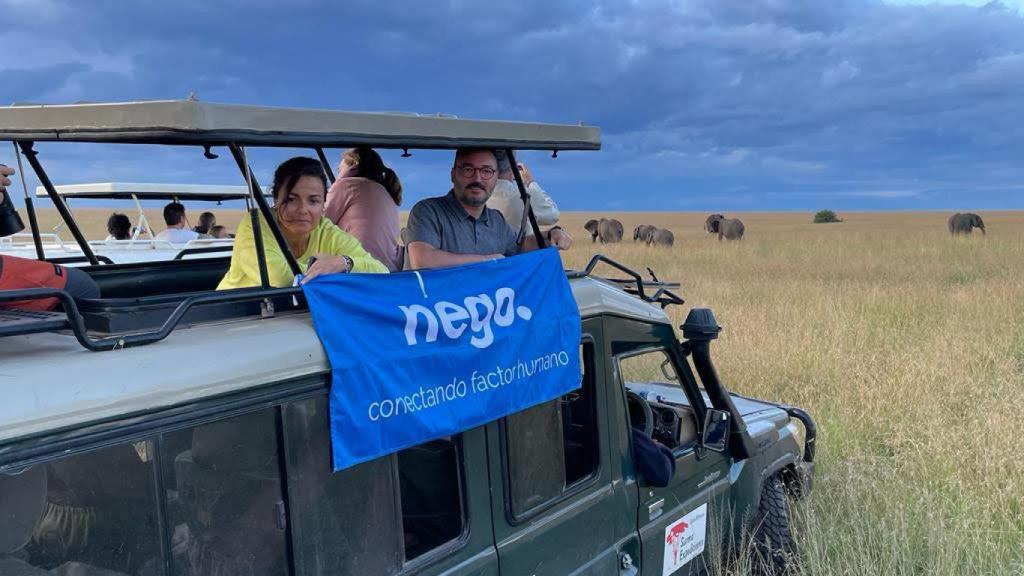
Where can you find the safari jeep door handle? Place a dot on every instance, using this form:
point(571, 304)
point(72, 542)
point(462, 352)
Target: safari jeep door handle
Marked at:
point(654, 509)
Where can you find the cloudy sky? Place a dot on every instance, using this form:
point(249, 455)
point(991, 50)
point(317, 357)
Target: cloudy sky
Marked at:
point(703, 104)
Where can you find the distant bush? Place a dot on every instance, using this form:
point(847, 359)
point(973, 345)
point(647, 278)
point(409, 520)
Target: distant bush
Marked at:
point(825, 216)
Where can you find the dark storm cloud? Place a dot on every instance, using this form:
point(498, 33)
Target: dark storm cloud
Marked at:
point(755, 104)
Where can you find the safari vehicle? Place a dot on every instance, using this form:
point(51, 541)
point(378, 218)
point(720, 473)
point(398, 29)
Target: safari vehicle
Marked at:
point(142, 246)
point(170, 429)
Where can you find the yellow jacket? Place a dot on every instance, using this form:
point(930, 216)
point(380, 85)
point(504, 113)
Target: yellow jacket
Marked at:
point(326, 238)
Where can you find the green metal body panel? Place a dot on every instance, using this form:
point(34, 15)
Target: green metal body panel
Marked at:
point(594, 524)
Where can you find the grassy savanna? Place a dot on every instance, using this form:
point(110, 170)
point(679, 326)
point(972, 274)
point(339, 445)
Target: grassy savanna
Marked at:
point(906, 345)
point(908, 348)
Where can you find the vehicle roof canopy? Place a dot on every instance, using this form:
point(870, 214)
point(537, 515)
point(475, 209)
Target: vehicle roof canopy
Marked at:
point(188, 122)
point(126, 190)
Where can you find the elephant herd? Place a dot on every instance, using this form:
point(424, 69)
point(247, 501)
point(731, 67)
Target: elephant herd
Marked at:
point(611, 231)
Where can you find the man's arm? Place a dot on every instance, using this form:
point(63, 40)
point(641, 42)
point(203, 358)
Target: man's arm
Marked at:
point(555, 237)
point(423, 255)
point(544, 207)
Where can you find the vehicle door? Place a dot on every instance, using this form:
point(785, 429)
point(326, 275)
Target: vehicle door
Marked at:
point(558, 508)
point(679, 531)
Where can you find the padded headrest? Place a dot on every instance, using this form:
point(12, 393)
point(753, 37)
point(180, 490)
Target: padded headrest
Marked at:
point(22, 500)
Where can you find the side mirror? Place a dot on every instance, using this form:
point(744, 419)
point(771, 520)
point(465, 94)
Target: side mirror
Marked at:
point(716, 430)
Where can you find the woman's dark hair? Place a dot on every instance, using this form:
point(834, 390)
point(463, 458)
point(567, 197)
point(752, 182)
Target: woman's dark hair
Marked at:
point(368, 164)
point(119, 226)
point(289, 172)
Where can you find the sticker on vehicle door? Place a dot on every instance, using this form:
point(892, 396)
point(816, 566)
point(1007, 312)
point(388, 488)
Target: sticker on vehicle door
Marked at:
point(684, 539)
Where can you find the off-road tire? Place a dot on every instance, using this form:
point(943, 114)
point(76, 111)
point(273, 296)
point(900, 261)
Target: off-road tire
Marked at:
point(775, 552)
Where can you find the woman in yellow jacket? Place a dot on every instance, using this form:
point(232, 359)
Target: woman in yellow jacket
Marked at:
point(299, 191)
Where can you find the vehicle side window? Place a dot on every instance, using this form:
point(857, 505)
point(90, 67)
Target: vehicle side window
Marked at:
point(371, 518)
point(553, 446)
point(88, 513)
point(651, 377)
point(224, 502)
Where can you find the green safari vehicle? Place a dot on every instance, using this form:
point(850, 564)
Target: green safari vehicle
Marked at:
point(170, 429)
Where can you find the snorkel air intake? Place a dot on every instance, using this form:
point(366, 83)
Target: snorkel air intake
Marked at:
point(699, 330)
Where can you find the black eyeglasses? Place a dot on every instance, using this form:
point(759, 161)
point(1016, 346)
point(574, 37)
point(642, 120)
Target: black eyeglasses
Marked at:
point(468, 171)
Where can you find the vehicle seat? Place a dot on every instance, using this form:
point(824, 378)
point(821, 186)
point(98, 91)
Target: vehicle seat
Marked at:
point(157, 278)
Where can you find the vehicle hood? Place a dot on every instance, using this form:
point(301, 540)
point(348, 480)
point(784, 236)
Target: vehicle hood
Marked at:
point(674, 394)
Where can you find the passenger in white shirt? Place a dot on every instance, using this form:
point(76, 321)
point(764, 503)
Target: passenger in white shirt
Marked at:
point(506, 198)
point(176, 232)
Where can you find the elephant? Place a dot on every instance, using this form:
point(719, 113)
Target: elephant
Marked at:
point(662, 237)
point(965, 223)
point(609, 230)
point(730, 229)
point(711, 224)
point(643, 233)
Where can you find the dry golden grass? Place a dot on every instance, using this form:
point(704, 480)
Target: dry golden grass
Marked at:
point(906, 345)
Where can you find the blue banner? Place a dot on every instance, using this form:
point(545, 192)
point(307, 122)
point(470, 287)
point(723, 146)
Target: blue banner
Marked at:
point(420, 355)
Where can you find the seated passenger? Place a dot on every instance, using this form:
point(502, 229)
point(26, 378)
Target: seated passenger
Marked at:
point(364, 202)
point(653, 461)
point(174, 217)
point(207, 220)
point(219, 232)
point(299, 189)
point(507, 199)
point(99, 515)
point(119, 227)
point(459, 228)
point(21, 273)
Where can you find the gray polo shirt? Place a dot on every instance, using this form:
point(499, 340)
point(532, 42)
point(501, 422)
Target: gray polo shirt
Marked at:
point(443, 223)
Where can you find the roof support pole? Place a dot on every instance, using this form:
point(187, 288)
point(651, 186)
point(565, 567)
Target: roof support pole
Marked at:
point(327, 165)
point(256, 193)
point(33, 222)
point(527, 209)
point(142, 225)
point(254, 221)
point(62, 208)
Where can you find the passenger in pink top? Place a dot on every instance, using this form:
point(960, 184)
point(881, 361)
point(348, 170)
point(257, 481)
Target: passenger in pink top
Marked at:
point(364, 202)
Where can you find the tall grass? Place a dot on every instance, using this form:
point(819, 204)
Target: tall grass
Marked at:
point(906, 345)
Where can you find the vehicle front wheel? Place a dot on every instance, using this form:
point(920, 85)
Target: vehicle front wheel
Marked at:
point(775, 551)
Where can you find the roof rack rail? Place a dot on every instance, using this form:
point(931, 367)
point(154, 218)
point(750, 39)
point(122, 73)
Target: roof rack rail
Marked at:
point(76, 323)
point(663, 294)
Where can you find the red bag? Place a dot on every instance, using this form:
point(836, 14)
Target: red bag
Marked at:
point(20, 273)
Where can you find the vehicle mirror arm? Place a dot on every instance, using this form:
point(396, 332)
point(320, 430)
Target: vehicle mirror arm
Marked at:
point(257, 193)
point(527, 209)
point(58, 201)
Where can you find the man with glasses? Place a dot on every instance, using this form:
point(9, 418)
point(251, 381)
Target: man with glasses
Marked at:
point(459, 228)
